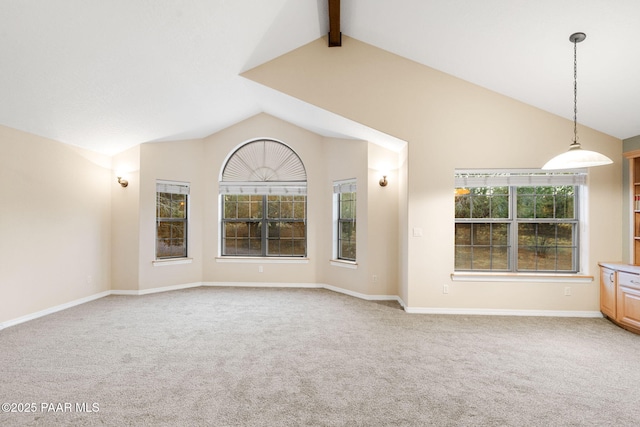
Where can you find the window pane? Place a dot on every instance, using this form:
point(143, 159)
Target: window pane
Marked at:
point(526, 206)
point(230, 209)
point(300, 230)
point(255, 209)
point(273, 205)
point(274, 247)
point(347, 206)
point(546, 247)
point(286, 230)
point(286, 247)
point(546, 258)
point(230, 229)
point(500, 258)
point(565, 207)
point(565, 259)
point(286, 207)
point(170, 248)
point(300, 247)
point(481, 258)
point(483, 202)
point(163, 205)
point(347, 250)
point(244, 209)
point(178, 206)
point(545, 207)
point(463, 258)
point(565, 234)
point(463, 234)
point(481, 234)
point(480, 206)
point(299, 210)
point(463, 205)
point(177, 230)
point(163, 230)
point(500, 207)
point(171, 225)
point(527, 258)
point(500, 234)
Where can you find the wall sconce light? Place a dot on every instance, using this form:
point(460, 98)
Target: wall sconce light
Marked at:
point(122, 182)
point(383, 181)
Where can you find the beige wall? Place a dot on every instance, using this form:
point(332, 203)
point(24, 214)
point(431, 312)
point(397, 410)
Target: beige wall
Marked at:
point(200, 163)
point(172, 161)
point(217, 148)
point(54, 222)
point(125, 221)
point(70, 231)
point(451, 124)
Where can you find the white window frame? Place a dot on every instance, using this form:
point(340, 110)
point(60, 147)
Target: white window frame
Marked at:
point(341, 186)
point(532, 177)
point(174, 187)
point(274, 169)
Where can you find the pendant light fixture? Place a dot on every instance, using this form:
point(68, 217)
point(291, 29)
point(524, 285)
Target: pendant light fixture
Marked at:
point(576, 157)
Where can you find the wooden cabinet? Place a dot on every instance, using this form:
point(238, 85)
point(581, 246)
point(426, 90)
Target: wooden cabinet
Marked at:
point(608, 292)
point(620, 294)
point(628, 302)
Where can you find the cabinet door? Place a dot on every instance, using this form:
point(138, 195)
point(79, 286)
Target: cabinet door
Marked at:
point(608, 292)
point(628, 301)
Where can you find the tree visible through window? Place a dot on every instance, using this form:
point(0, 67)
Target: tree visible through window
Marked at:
point(171, 220)
point(259, 225)
point(517, 227)
point(347, 226)
point(264, 202)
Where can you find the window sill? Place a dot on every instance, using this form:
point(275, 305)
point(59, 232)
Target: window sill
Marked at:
point(519, 277)
point(343, 263)
point(262, 260)
point(171, 261)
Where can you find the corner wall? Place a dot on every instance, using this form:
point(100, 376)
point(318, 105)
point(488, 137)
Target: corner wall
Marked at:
point(55, 223)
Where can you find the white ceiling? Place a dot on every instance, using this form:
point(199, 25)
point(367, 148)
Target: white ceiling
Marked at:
point(107, 75)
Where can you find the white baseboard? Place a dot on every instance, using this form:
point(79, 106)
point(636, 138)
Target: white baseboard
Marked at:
point(52, 310)
point(503, 312)
point(363, 296)
point(263, 285)
point(411, 310)
point(156, 290)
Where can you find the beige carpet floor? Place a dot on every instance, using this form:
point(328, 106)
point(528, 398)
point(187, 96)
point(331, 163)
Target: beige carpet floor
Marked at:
point(310, 357)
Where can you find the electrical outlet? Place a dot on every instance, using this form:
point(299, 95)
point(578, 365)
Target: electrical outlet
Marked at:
point(567, 291)
point(375, 278)
point(260, 269)
point(445, 289)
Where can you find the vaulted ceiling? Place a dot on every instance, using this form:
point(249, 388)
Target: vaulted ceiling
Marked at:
point(107, 75)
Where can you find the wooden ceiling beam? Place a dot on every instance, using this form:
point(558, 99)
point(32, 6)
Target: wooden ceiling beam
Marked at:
point(335, 36)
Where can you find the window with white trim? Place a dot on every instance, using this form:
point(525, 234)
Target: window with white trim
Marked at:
point(263, 196)
point(172, 208)
point(518, 221)
point(344, 201)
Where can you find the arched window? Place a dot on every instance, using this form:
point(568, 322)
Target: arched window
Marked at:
point(263, 192)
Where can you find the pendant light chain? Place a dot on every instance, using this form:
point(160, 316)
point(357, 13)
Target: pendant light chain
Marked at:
point(576, 157)
point(575, 90)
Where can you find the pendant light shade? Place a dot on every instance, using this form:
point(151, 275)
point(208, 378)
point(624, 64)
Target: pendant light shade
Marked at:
point(576, 157)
